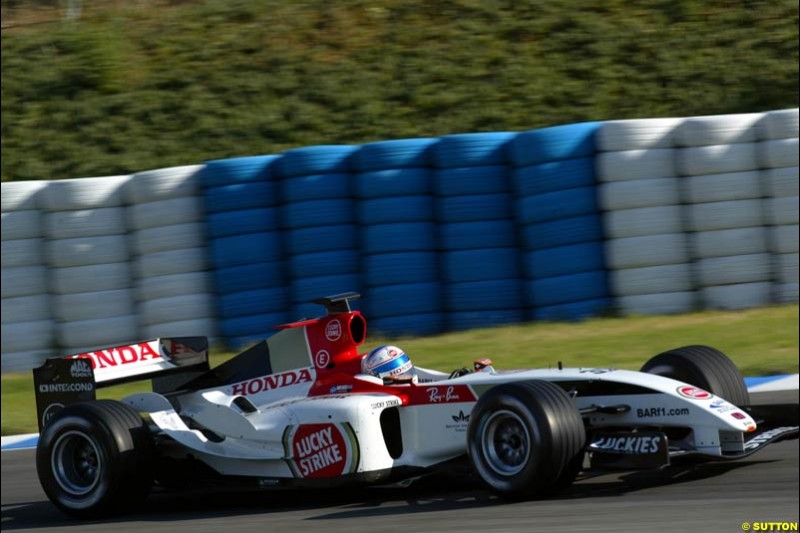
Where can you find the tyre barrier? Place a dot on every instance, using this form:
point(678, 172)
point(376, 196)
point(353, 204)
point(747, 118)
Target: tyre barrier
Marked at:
point(241, 198)
point(438, 234)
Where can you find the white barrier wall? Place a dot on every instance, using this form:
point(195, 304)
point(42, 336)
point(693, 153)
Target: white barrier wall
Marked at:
point(88, 262)
point(170, 260)
point(27, 324)
point(700, 212)
point(647, 250)
point(778, 155)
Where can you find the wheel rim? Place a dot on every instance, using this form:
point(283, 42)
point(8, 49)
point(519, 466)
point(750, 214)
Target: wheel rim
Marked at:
point(506, 443)
point(76, 463)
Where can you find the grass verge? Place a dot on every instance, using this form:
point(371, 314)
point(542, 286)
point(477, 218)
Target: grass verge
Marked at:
point(760, 341)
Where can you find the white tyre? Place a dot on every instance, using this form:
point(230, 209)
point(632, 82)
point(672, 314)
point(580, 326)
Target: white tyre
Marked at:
point(782, 211)
point(725, 215)
point(89, 278)
point(20, 253)
point(782, 181)
point(635, 164)
point(779, 153)
point(165, 213)
point(90, 305)
point(643, 221)
point(657, 304)
point(171, 262)
point(719, 129)
point(722, 187)
point(85, 223)
point(786, 293)
point(649, 280)
point(727, 242)
point(637, 134)
point(164, 183)
point(735, 269)
point(651, 250)
point(639, 193)
point(172, 285)
point(717, 159)
point(163, 238)
point(203, 327)
point(24, 361)
point(735, 297)
point(85, 193)
point(786, 268)
point(20, 225)
point(784, 239)
point(20, 195)
point(779, 124)
point(104, 332)
point(25, 336)
point(23, 281)
point(86, 251)
point(187, 307)
point(25, 309)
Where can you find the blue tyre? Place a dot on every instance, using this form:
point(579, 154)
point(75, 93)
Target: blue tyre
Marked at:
point(248, 277)
point(480, 265)
point(569, 288)
point(554, 176)
point(563, 260)
point(461, 320)
point(554, 233)
point(316, 187)
point(246, 249)
point(318, 213)
point(396, 209)
point(472, 149)
point(323, 159)
point(573, 311)
point(472, 180)
point(255, 302)
point(553, 144)
point(484, 295)
point(240, 196)
point(321, 239)
point(474, 207)
point(394, 182)
point(402, 153)
point(238, 170)
point(398, 268)
point(402, 237)
point(478, 234)
point(231, 223)
point(324, 264)
point(557, 205)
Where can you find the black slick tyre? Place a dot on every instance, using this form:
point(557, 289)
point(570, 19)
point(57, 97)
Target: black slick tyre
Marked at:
point(95, 459)
point(526, 440)
point(704, 367)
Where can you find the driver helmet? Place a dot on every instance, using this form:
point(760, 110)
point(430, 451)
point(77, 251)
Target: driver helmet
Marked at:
point(389, 363)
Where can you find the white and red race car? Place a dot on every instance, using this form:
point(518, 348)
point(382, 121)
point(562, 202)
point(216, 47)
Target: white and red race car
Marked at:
point(295, 410)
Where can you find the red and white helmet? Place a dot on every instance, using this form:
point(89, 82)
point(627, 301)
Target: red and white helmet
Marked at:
point(388, 363)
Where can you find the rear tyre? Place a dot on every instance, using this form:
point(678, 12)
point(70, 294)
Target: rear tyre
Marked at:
point(526, 440)
point(95, 458)
point(704, 367)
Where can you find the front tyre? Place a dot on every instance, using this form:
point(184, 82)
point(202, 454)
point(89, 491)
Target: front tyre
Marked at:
point(526, 439)
point(95, 458)
point(704, 367)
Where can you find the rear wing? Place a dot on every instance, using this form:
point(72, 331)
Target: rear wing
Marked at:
point(74, 378)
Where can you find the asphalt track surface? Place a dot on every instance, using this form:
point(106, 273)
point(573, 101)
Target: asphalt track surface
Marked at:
point(707, 497)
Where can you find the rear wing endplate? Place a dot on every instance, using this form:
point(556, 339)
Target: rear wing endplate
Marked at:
point(74, 378)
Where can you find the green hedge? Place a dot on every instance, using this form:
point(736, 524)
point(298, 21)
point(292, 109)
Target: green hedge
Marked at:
point(139, 85)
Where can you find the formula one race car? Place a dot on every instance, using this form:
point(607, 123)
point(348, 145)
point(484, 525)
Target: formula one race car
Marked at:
point(297, 411)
